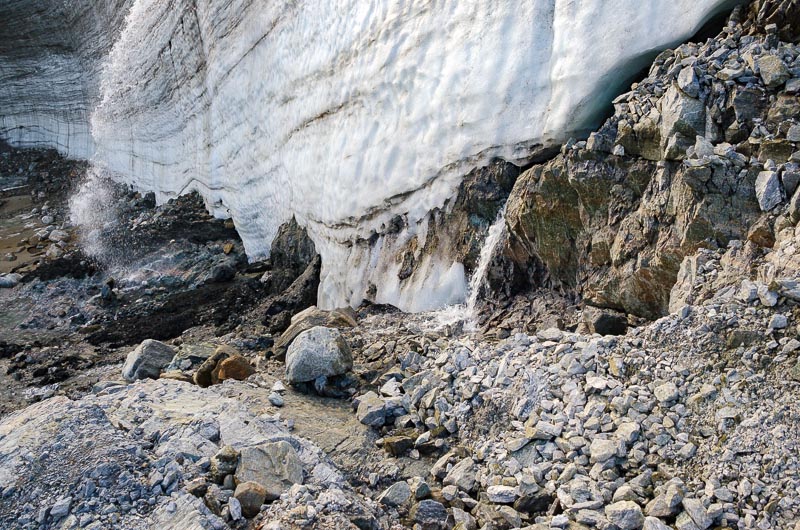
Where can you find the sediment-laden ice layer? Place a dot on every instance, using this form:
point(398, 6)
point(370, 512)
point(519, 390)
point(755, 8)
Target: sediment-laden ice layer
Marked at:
point(51, 56)
point(346, 113)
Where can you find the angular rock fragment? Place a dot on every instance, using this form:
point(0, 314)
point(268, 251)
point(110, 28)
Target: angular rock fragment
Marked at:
point(627, 515)
point(274, 465)
point(371, 410)
point(396, 495)
point(147, 360)
point(768, 190)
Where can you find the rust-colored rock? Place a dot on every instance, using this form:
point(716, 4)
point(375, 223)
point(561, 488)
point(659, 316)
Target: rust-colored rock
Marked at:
point(251, 496)
point(234, 367)
point(205, 376)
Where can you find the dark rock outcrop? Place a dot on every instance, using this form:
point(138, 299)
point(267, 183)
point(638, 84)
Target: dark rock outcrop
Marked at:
point(696, 154)
point(291, 253)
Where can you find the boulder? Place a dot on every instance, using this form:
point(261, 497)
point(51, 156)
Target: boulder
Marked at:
point(234, 367)
point(651, 523)
point(681, 115)
point(234, 508)
point(8, 281)
point(251, 496)
point(317, 352)
point(602, 450)
point(397, 445)
point(793, 134)
point(666, 393)
point(274, 465)
point(147, 360)
point(697, 512)
point(205, 375)
point(371, 410)
point(429, 514)
point(500, 494)
point(58, 236)
point(60, 509)
point(191, 356)
point(463, 475)
point(688, 82)
point(223, 463)
point(762, 234)
point(791, 176)
point(309, 318)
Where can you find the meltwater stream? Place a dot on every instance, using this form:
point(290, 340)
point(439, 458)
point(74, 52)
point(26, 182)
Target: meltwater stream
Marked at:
point(466, 313)
point(476, 282)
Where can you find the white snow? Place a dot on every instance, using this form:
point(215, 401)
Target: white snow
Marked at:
point(346, 113)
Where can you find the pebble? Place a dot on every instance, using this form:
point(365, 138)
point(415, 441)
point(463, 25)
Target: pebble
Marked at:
point(276, 399)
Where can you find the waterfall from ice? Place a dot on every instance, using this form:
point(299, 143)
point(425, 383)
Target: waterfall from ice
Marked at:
point(466, 313)
point(496, 233)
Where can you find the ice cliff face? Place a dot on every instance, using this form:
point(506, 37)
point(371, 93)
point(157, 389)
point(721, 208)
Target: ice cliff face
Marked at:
point(51, 56)
point(355, 117)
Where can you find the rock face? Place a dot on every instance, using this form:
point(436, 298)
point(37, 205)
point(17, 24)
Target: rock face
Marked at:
point(147, 360)
point(699, 152)
point(114, 90)
point(316, 353)
point(291, 253)
point(588, 221)
point(48, 98)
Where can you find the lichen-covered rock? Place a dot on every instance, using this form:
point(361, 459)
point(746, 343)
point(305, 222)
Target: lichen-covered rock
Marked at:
point(223, 463)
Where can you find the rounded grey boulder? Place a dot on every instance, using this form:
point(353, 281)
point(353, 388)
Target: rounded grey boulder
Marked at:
point(317, 352)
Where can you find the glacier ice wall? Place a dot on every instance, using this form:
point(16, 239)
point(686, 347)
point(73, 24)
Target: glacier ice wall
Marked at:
point(343, 113)
point(51, 57)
